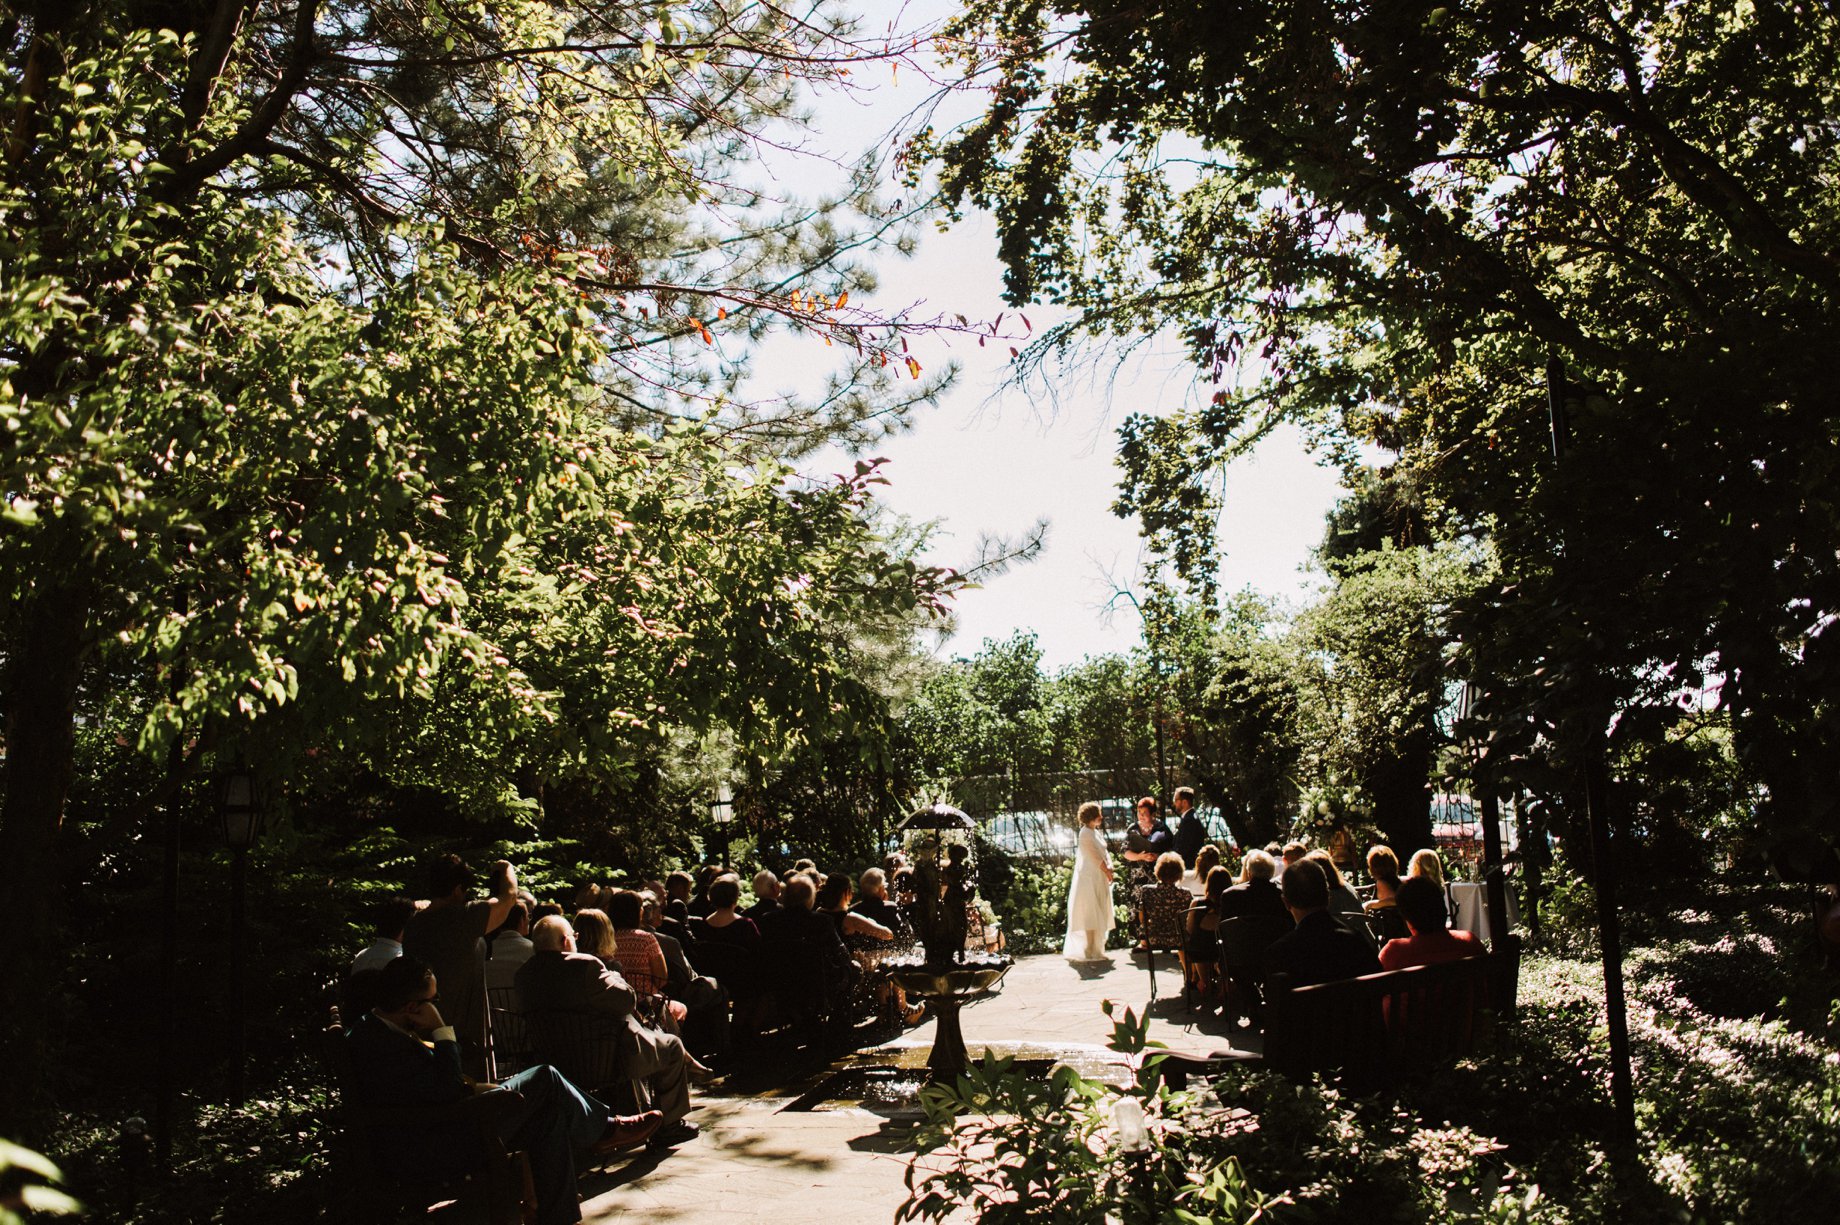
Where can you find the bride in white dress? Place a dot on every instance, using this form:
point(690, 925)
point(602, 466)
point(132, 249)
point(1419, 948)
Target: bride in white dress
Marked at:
point(1089, 900)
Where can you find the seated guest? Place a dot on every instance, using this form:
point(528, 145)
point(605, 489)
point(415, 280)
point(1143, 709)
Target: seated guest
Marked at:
point(677, 895)
point(699, 902)
point(594, 937)
point(508, 948)
point(560, 979)
point(1342, 899)
point(1293, 851)
point(766, 895)
point(403, 1053)
point(1203, 920)
point(858, 931)
point(873, 903)
point(587, 895)
point(1203, 929)
point(1206, 860)
point(866, 939)
point(544, 910)
point(511, 941)
point(1427, 864)
point(705, 1024)
point(388, 921)
point(892, 863)
point(446, 935)
point(1165, 903)
point(1383, 867)
point(1421, 904)
point(902, 883)
point(725, 924)
point(806, 867)
point(797, 924)
point(640, 955)
point(1344, 903)
point(677, 970)
point(1255, 894)
point(1318, 949)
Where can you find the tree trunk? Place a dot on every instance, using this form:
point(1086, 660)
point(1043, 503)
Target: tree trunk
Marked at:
point(46, 663)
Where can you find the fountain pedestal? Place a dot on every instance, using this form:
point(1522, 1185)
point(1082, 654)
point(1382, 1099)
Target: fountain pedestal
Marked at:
point(947, 989)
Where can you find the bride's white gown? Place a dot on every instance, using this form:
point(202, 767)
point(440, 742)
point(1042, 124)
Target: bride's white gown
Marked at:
point(1089, 900)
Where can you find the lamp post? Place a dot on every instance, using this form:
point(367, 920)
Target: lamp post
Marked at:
point(241, 814)
point(722, 815)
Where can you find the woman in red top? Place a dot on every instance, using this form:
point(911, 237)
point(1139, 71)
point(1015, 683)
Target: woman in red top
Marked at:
point(1421, 905)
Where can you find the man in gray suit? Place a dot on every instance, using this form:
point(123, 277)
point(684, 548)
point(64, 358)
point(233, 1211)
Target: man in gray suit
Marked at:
point(558, 982)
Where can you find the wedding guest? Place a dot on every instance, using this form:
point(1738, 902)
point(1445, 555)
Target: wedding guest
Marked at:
point(1255, 894)
point(725, 924)
point(404, 1053)
point(1383, 868)
point(1206, 860)
point(1421, 904)
point(446, 936)
point(1318, 949)
point(389, 919)
point(766, 896)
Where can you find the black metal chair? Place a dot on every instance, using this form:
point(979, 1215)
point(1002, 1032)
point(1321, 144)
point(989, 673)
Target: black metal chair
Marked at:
point(1244, 941)
point(1165, 912)
point(508, 1049)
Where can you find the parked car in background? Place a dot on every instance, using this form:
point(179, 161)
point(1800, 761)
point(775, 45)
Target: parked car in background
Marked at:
point(1032, 835)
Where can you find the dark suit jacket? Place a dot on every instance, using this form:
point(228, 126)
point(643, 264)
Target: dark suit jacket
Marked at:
point(1321, 950)
point(572, 982)
point(1253, 897)
point(761, 909)
point(396, 1069)
point(1191, 836)
point(792, 925)
point(677, 968)
point(392, 1068)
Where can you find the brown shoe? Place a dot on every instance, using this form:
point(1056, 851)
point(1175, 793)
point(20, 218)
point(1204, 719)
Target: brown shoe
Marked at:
point(629, 1131)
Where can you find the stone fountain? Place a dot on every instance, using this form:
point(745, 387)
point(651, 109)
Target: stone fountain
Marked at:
point(940, 971)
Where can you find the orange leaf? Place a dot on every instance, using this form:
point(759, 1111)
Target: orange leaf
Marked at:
point(721, 312)
point(843, 298)
point(913, 367)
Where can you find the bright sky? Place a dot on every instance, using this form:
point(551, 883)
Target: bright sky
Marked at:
point(987, 459)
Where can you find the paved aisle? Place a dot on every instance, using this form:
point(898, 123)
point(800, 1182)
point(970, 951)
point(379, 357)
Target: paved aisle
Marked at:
point(757, 1162)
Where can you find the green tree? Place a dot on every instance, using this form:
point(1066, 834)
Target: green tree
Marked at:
point(1381, 221)
point(1382, 632)
point(1244, 698)
point(316, 438)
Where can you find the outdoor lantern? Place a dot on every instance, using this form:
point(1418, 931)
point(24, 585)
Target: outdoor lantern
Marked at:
point(722, 807)
point(241, 814)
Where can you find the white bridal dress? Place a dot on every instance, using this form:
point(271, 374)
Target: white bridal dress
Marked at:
point(1089, 900)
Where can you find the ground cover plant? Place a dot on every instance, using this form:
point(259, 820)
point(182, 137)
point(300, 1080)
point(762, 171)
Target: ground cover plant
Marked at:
point(1737, 1038)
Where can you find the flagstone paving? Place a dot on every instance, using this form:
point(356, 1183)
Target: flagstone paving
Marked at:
point(759, 1161)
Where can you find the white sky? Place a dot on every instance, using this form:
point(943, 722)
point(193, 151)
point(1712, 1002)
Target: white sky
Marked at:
point(988, 460)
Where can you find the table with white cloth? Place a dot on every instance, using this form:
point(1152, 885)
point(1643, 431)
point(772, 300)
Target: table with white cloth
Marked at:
point(1472, 903)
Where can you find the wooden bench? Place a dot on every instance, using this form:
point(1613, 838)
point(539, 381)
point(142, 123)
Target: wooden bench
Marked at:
point(494, 1189)
point(1379, 1028)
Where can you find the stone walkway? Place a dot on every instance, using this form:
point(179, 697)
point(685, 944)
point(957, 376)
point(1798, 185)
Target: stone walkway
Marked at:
point(758, 1161)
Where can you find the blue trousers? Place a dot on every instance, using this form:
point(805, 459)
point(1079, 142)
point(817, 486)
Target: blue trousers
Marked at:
point(553, 1122)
